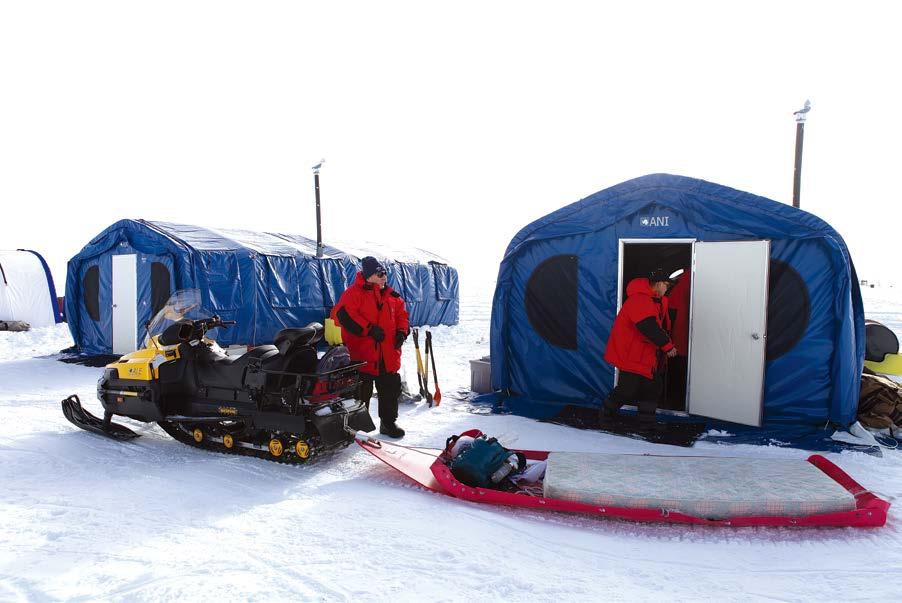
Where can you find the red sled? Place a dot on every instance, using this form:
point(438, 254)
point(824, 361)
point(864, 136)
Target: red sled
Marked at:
point(807, 492)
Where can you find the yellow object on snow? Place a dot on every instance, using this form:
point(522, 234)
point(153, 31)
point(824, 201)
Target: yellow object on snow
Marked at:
point(891, 365)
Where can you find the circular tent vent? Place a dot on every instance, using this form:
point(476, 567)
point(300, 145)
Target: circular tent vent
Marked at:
point(788, 309)
point(551, 300)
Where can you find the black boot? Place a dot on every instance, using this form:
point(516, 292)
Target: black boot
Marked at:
point(647, 414)
point(608, 411)
point(391, 429)
point(647, 421)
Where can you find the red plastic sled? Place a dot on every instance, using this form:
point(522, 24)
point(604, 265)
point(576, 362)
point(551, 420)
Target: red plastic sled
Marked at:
point(426, 467)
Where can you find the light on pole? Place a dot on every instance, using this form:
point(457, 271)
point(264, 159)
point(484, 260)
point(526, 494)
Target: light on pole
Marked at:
point(319, 225)
point(800, 116)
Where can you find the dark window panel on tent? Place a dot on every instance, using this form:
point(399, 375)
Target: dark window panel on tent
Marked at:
point(159, 286)
point(788, 309)
point(91, 292)
point(551, 300)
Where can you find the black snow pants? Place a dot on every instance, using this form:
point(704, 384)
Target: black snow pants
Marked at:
point(633, 388)
point(388, 388)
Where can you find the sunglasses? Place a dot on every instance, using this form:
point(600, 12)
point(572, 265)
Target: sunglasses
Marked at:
point(380, 273)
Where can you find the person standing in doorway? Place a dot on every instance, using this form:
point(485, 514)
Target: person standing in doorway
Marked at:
point(637, 346)
point(374, 325)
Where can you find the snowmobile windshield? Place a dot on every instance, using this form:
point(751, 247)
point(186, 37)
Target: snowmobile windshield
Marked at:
point(184, 304)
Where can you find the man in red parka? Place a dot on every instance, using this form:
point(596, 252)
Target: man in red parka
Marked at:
point(638, 341)
point(374, 326)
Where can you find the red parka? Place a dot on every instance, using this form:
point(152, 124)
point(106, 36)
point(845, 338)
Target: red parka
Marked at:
point(679, 301)
point(628, 348)
point(362, 306)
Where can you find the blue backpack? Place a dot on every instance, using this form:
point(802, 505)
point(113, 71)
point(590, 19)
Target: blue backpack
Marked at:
point(485, 464)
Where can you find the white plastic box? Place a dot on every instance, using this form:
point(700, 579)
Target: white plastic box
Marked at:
point(481, 375)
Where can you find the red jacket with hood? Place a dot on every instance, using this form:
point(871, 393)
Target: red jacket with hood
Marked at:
point(633, 348)
point(362, 306)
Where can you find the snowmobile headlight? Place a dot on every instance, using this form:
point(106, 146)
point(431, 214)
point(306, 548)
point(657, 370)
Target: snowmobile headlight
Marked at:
point(108, 374)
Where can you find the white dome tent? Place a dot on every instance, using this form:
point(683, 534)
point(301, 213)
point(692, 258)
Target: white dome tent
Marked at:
point(27, 294)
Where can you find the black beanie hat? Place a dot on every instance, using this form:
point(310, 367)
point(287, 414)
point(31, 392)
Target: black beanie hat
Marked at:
point(370, 266)
point(658, 275)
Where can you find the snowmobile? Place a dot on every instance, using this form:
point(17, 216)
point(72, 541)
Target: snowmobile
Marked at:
point(279, 402)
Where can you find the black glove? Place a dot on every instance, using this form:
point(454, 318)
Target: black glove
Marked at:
point(377, 333)
point(400, 338)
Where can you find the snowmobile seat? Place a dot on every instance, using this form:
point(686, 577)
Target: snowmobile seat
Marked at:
point(219, 370)
point(263, 352)
point(879, 341)
point(289, 340)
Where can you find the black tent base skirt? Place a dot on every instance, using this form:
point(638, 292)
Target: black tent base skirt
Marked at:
point(670, 432)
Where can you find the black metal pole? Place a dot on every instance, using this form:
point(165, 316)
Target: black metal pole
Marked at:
point(797, 174)
point(319, 226)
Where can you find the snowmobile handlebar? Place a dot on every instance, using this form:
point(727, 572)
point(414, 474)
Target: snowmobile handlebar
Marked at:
point(191, 330)
point(208, 324)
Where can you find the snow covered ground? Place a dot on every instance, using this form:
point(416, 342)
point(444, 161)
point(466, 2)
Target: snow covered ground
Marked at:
point(83, 518)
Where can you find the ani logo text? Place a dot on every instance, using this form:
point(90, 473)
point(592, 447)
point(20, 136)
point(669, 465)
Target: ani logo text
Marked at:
point(655, 221)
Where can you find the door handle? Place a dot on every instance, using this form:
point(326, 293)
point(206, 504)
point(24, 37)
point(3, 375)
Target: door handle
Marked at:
point(755, 336)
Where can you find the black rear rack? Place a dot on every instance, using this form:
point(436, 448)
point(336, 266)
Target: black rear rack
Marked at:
point(310, 388)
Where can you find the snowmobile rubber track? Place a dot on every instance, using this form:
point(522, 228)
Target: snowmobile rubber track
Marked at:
point(182, 432)
point(81, 418)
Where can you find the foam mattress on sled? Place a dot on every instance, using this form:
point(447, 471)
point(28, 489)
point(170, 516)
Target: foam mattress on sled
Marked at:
point(709, 487)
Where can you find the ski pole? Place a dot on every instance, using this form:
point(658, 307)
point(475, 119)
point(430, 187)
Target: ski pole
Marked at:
point(416, 344)
point(437, 398)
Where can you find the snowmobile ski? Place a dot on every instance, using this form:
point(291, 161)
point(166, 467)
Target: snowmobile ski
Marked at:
point(79, 417)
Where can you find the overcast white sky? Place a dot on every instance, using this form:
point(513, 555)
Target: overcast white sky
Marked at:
point(448, 126)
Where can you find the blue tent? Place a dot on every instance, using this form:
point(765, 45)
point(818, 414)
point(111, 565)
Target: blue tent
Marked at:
point(264, 281)
point(561, 278)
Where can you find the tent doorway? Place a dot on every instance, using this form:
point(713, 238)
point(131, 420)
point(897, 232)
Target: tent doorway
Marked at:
point(638, 257)
point(722, 374)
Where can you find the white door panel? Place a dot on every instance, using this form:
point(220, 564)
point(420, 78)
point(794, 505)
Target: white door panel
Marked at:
point(728, 329)
point(125, 304)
